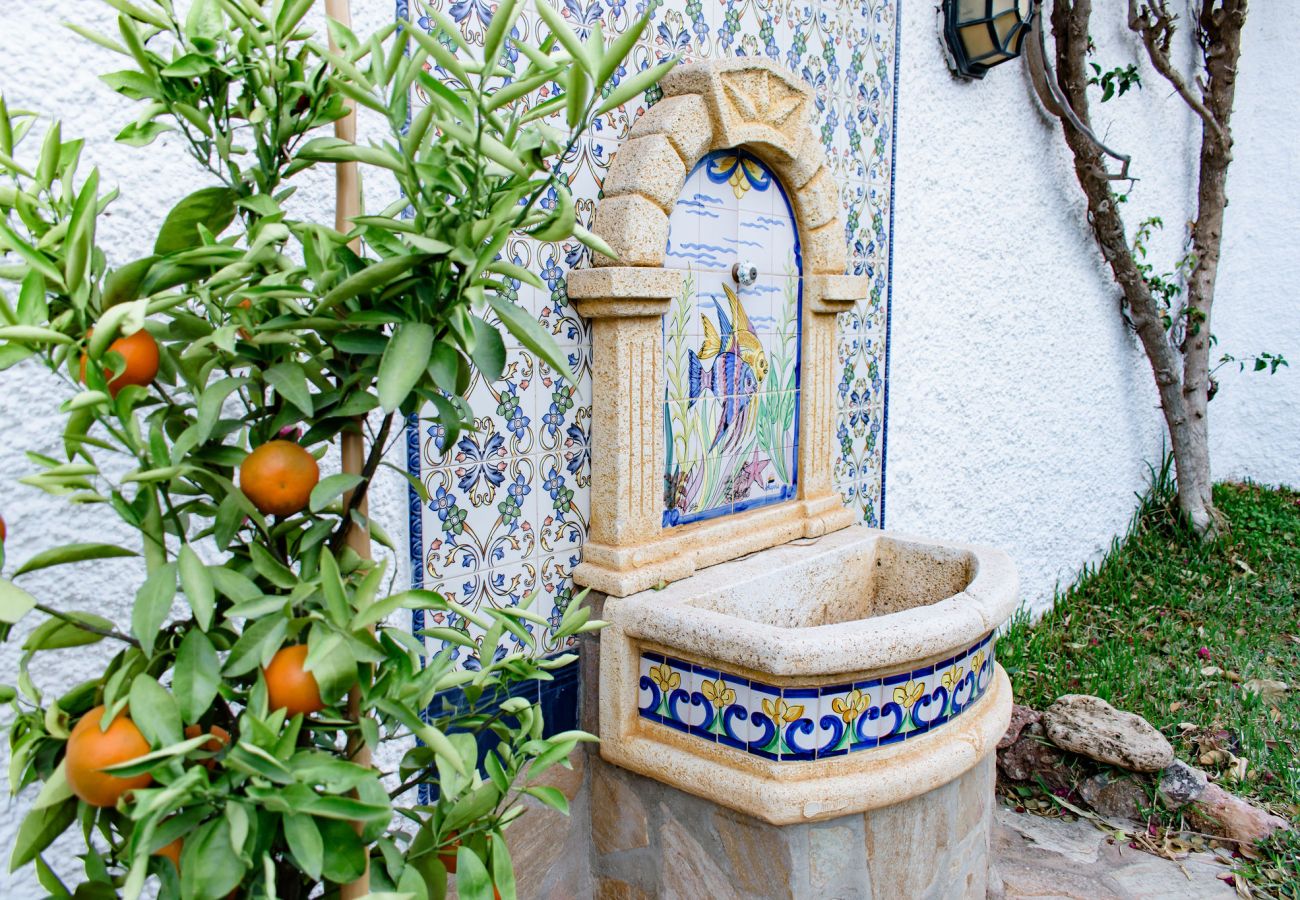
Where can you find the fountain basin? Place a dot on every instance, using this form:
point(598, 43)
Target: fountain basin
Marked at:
point(812, 680)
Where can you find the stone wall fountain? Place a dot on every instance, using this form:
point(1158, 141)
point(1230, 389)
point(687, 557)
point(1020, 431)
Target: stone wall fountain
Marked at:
point(818, 700)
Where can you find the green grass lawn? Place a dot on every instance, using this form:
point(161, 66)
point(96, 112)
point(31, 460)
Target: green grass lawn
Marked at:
point(1175, 631)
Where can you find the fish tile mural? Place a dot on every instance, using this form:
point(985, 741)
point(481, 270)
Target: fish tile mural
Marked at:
point(731, 350)
point(508, 507)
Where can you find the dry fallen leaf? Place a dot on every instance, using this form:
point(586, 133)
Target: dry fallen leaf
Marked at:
point(1211, 671)
point(1268, 688)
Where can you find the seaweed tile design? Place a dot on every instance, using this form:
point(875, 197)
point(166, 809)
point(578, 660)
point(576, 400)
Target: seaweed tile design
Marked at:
point(731, 351)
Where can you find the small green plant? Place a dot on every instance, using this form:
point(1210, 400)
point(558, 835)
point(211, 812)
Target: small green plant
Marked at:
point(202, 383)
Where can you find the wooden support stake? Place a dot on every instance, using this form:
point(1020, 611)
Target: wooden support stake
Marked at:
point(347, 205)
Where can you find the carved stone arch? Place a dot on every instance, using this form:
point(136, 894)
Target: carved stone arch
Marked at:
point(743, 103)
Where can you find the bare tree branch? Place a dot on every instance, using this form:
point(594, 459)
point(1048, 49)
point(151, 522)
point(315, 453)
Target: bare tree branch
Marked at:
point(1155, 24)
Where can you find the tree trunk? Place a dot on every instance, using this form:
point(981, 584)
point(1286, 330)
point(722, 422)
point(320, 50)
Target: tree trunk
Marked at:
point(1183, 384)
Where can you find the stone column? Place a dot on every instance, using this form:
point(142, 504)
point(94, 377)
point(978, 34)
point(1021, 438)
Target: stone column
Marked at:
point(825, 296)
point(626, 306)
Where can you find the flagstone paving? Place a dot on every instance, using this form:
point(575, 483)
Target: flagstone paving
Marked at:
point(1054, 859)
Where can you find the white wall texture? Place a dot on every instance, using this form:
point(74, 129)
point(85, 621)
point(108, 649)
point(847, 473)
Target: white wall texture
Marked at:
point(1021, 412)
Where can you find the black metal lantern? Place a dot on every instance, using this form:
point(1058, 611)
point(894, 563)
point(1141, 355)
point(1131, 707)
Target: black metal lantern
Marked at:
point(984, 33)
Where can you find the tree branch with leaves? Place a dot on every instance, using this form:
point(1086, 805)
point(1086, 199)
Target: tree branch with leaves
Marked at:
point(225, 748)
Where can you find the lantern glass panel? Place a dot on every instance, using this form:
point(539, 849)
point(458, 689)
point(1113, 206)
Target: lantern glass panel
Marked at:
point(977, 40)
point(971, 9)
point(998, 7)
point(1006, 25)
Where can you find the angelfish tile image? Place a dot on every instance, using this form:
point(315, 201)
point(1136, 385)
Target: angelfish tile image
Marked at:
point(731, 347)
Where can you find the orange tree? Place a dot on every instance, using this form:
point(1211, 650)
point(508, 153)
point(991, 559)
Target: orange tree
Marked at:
point(218, 751)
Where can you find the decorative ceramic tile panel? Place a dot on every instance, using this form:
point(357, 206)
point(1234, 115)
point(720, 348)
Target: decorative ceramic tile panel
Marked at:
point(519, 521)
point(731, 351)
point(799, 724)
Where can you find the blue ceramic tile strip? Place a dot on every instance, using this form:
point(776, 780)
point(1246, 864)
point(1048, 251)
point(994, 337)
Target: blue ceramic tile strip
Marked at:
point(800, 724)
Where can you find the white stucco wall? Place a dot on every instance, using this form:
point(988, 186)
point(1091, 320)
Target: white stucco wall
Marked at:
point(1021, 411)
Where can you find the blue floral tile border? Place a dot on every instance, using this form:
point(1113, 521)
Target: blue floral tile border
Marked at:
point(810, 723)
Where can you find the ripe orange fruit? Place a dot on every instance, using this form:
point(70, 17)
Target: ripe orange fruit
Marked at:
point(447, 855)
point(289, 686)
point(140, 351)
point(278, 477)
point(90, 751)
point(220, 738)
point(172, 851)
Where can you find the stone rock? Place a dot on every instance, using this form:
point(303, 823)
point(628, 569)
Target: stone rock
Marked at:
point(613, 889)
point(1093, 728)
point(1219, 812)
point(759, 855)
point(618, 817)
point(689, 871)
point(1115, 797)
point(1180, 784)
point(1031, 757)
point(1020, 717)
point(1078, 842)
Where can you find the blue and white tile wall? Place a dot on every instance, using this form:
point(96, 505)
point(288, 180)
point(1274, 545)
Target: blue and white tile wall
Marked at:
point(510, 502)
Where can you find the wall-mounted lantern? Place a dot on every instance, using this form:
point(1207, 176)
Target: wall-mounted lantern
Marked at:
point(981, 34)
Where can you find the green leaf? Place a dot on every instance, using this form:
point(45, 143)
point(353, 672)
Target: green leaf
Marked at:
point(559, 225)
point(197, 675)
point(336, 599)
point(38, 831)
point(14, 602)
point(213, 208)
point(415, 599)
point(489, 352)
point(558, 27)
point(620, 48)
point(330, 488)
point(594, 241)
point(196, 581)
point(57, 634)
point(347, 857)
point(331, 662)
point(525, 328)
point(290, 381)
point(152, 604)
point(444, 366)
point(71, 553)
point(55, 790)
point(370, 278)
point(637, 84)
point(259, 640)
point(235, 585)
point(472, 879)
point(188, 66)
point(403, 362)
point(271, 568)
point(154, 710)
point(211, 866)
point(552, 797)
point(304, 840)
